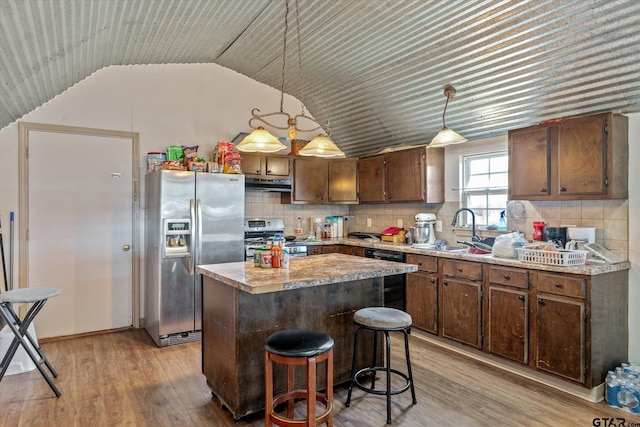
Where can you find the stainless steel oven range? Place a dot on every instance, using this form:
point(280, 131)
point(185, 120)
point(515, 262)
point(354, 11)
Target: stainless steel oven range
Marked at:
point(259, 232)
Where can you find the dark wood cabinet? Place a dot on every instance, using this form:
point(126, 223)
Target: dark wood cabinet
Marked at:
point(320, 181)
point(410, 175)
point(570, 326)
point(371, 179)
point(560, 332)
point(580, 158)
point(331, 249)
point(266, 165)
point(581, 325)
point(508, 313)
point(461, 311)
point(422, 293)
point(309, 181)
point(529, 163)
point(461, 301)
point(342, 181)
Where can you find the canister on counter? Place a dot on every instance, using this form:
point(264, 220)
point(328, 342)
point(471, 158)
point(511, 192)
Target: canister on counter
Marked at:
point(257, 253)
point(265, 257)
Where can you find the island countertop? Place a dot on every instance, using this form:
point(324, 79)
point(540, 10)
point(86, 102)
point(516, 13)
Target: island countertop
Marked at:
point(303, 272)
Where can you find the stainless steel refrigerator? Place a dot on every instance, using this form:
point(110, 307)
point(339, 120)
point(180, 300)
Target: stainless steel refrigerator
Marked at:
point(192, 218)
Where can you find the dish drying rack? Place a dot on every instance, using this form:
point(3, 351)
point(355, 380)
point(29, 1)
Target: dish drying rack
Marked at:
point(560, 257)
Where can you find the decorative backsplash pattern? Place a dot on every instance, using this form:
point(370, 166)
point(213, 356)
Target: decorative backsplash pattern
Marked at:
point(609, 217)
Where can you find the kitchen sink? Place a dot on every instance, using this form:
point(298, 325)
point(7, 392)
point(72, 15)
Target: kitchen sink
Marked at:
point(455, 249)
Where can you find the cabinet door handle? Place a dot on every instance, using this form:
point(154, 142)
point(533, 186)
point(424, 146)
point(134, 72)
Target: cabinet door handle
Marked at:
point(445, 283)
point(420, 264)
point(541, 302)
point(543, 190)
point(459, 269)
point(563, 189)
point(257, 171)
point(521, 297)
point(507, 277)
point(433, 280)
point(559, 285)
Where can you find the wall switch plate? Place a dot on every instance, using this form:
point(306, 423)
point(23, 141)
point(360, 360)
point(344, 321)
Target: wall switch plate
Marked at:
point(368, 222)
point(438, 226)
point(400, 223)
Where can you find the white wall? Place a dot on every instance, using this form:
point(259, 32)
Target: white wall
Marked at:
point(188, 104)
point(203, 103)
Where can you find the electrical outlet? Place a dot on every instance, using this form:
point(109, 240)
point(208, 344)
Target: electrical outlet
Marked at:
point(400, 223)
point(368, 222)
point(438, 226)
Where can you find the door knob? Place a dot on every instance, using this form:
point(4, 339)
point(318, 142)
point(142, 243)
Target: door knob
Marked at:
point(126, 247)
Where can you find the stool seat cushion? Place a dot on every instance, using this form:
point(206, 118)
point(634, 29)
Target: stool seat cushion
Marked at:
point(382, 318)
point(298, 343)
point(27, 295)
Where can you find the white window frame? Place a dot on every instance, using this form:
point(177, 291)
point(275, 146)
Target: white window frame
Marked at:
point(465, 192)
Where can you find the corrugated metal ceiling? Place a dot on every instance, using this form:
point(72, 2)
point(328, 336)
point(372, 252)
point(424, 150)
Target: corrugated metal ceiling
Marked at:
point(376, 68)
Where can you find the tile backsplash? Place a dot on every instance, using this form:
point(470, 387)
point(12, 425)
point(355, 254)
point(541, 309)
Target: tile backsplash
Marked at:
point(609, 217)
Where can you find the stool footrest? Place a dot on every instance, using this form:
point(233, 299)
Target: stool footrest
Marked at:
point(375, 369)
point(301, 394)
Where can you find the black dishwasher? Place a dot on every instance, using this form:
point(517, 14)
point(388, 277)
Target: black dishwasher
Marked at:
point(394, 286)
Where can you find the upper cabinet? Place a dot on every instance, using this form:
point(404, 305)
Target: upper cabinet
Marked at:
point(411, 175)
point(342, 181)
point(323, 181)
point(581, 158)
point(266, 165)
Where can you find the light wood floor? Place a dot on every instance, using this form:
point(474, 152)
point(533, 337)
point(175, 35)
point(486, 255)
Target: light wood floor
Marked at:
point(122, 379)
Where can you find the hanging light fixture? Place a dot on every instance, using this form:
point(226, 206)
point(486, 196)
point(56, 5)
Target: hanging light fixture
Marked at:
point(263, 141)
point(446, 136)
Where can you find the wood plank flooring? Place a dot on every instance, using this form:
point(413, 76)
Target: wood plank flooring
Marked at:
point(122, 379)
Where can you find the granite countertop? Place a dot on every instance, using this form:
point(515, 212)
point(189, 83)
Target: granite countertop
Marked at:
point(587, 269)
point(317, 270)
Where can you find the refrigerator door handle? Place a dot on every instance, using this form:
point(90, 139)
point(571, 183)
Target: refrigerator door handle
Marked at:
point(199, 231)
point(191, 258)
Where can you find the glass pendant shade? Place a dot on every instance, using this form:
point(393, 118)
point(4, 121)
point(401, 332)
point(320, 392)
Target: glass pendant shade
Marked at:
point(321, 146)
point(260, 141)
point(447, 137)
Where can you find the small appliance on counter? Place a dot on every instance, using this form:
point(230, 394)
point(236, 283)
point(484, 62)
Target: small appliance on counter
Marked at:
point(423, 232)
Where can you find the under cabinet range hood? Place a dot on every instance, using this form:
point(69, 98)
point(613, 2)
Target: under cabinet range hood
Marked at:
point(276, 185)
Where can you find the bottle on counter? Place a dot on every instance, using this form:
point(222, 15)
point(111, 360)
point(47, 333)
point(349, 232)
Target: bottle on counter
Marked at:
point(538, 230)
point(298, 230)
point(284, 259)
point(319, 228)
point(502, 224)
point(276, 253)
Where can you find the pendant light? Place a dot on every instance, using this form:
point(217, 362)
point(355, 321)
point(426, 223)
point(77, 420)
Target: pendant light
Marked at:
point(321, 146)
point(446, 136)
point(263, 141)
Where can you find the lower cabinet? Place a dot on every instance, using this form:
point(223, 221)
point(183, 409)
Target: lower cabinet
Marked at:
point(461, 301)
point(508, 313)
point(570, 326)
point(560, 329)
point(508, 323)
point(422, 293)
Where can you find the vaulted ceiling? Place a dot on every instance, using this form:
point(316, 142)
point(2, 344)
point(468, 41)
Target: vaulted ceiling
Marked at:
point(375, 68)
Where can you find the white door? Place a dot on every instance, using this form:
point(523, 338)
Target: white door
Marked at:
point(80, 219)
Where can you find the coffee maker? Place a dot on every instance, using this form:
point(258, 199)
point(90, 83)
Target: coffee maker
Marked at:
point(423, 231)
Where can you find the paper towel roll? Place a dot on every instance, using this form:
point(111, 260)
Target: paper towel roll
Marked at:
point(587, 234)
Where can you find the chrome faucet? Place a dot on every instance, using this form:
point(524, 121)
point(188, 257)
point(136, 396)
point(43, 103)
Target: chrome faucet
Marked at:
point(474, 236)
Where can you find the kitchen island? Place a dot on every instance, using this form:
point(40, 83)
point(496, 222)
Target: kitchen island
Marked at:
point(242, 305)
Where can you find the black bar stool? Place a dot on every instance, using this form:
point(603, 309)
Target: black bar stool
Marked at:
point(37, 297)
point(293, 347)
point(382, 320)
